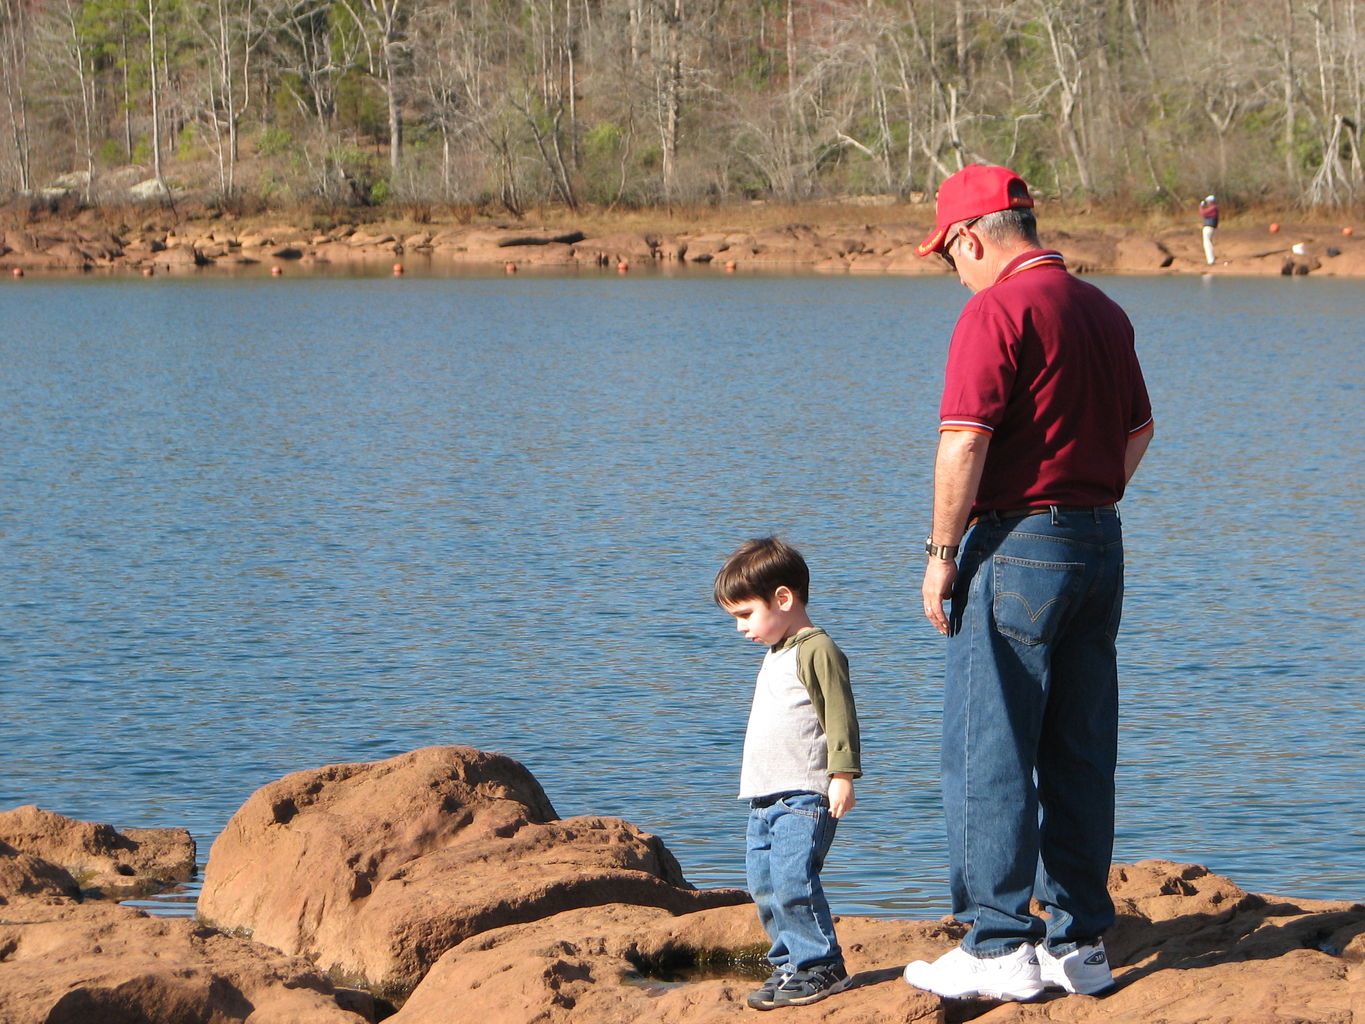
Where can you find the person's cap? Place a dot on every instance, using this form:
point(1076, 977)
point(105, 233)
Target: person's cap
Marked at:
point(1208, 199)
point(974, 191)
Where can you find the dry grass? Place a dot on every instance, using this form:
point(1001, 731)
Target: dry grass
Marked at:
point(186, 217)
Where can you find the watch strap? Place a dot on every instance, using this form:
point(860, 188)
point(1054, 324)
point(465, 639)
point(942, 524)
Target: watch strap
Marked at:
point(948, 551)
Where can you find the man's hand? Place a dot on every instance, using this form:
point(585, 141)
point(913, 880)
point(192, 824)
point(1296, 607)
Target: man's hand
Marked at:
point(841, 799)
point(939, 576)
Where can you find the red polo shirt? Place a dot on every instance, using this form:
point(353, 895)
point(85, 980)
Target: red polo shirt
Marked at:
point(1044, 363)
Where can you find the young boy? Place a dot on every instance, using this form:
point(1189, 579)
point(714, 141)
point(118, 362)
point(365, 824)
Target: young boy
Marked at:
point(801, 756)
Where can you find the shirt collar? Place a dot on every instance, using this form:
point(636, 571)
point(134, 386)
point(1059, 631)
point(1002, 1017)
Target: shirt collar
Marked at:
point(1031, 259)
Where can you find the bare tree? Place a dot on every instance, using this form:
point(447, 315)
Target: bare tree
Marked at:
point(233, 33)
point(72, 57)
point(14, 40)
point(382, 24)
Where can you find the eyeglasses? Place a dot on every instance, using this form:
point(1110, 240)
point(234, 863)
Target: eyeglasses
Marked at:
point(948, 256)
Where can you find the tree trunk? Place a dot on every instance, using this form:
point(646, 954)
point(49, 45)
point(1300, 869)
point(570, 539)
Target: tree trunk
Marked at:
point(153, 91)
point(13, 73)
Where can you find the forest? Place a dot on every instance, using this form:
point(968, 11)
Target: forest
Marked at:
point(644, 103)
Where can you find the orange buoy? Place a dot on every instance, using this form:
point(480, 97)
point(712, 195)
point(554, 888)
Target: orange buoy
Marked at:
point(18, 271)
point(1348, 230)
point(622, 267)
point(730, 266)
point(1274, 227)
point(510, 268)
point(397, 269)
point(275, 271)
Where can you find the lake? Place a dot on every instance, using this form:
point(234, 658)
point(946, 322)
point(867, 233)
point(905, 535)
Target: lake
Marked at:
point(254, 525)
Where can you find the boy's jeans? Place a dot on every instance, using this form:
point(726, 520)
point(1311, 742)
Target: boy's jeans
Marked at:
point(786, 846)
point(1032, 685)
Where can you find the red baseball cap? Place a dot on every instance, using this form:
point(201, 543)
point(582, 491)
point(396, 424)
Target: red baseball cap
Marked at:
point(974, 191)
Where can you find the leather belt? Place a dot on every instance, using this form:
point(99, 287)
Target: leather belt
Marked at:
point(996, 515)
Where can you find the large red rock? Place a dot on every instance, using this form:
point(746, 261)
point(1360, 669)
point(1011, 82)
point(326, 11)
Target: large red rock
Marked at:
point(609, 965)
point(135, 860)
point(63, 962)
point(1190, 947)
point(374, 870)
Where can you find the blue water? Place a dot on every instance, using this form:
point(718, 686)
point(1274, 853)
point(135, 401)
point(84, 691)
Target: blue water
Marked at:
point(249, 526)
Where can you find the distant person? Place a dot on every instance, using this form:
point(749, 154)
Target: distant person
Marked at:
point(801, 755)
point(1043, 420)
point(1208, 209)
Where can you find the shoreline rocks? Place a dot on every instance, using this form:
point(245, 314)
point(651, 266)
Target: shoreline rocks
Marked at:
point(374, 870)
point(441, 886)
point(1296, 250)
point(102, 862)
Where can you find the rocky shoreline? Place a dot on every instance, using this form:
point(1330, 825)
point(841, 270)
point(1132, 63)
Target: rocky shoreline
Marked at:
point(1288, 250)
point(441, 886)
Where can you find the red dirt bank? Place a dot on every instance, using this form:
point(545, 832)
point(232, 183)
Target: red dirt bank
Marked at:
point(78, 244)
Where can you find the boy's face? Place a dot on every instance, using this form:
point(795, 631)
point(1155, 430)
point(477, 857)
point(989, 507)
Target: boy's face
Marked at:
point(767, 622)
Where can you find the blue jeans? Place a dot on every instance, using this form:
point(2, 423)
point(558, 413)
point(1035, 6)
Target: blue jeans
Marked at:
point(785, 849)
point(1030, 729)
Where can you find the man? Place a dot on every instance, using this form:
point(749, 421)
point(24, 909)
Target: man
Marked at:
point(1208, 209)
point(1044, 418)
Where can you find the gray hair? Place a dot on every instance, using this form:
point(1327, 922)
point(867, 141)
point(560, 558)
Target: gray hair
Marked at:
point(1007, 226)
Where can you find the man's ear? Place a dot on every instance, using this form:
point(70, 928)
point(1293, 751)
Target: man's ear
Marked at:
point(784, 598)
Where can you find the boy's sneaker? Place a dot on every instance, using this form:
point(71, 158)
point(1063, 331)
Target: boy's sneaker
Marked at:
point(1085, 969)
point(959, 975)
point(762, 999)
point(801, 987)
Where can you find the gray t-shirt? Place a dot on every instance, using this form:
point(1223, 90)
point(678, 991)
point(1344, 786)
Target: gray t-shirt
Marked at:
point(802, 725)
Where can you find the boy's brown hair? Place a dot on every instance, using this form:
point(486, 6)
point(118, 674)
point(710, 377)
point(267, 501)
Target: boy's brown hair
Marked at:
point(757, 568)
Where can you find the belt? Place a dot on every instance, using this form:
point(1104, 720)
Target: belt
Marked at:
point(758, 803)
point(996, 515)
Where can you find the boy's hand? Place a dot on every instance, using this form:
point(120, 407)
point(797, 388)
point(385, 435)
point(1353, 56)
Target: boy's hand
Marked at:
point(841, 799)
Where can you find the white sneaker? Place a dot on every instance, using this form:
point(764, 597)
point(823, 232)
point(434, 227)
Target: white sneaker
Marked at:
point(1085, 969)
point(959, 975)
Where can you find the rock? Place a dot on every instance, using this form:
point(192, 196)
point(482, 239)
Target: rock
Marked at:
point(1141, 255)
point(99, 963)
point(1190, 947)
point(704, 248)
point(1085, 253)
point(549, 254)
point(671, 247)
point(68, 254)
point(541, 238)
point(97, 856)
point(364, 238)
point(450, 238)
point(140, 245)
point(179, 255)
point(152, 188)
point(901, 259)
point(25, 242)
point(489, 240)
point(614, 964)
point(611, 249)
point(374, 870)
point(22, 874)
point(1161, 890)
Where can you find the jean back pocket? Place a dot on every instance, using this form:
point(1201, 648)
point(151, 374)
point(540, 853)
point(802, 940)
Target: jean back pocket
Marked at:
point(1031, 598)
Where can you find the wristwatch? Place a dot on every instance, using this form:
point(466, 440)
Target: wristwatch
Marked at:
point(948, 551)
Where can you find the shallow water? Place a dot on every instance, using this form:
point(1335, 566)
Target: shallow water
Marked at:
point(249, 526)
